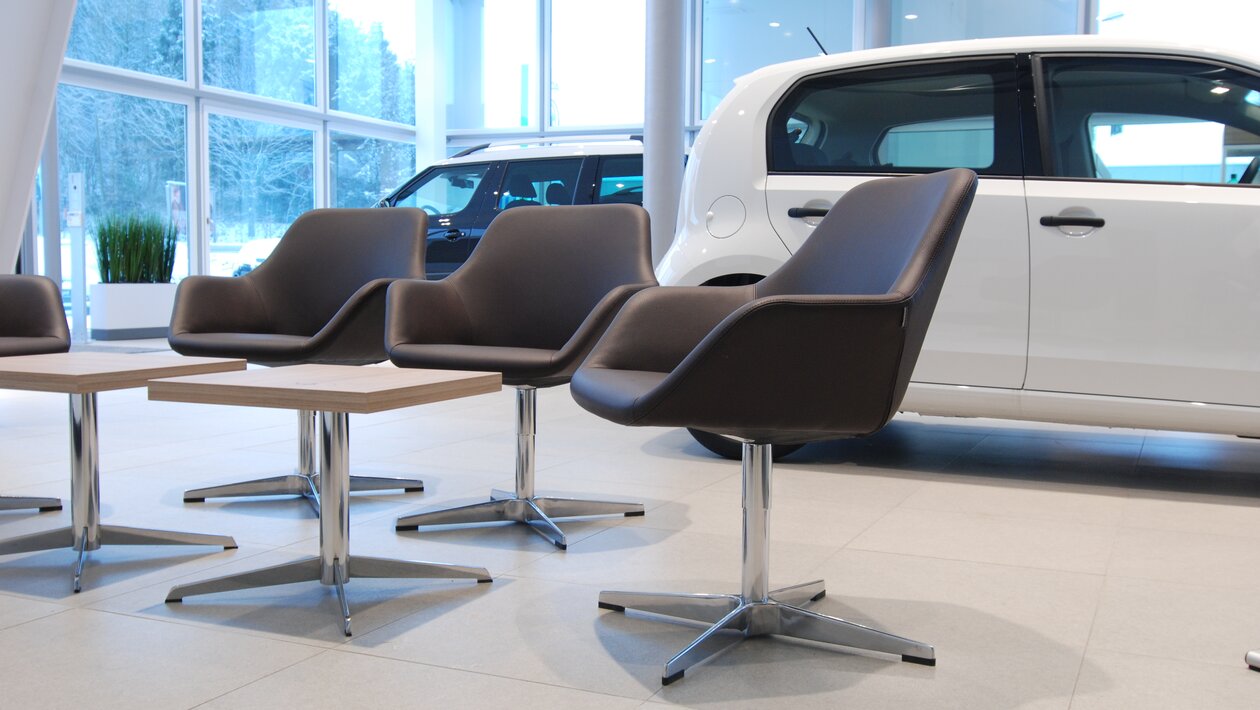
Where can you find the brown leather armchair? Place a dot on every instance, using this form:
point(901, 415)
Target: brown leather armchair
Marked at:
point(536, 294)
point(822, 348)
point(319, 298)
point(32, 322)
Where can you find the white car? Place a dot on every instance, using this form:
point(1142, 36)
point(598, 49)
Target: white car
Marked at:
point(1109, 271)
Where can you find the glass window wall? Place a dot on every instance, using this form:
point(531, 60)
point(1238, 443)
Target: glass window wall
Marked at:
point(261, 179)
point(372, 59)
point(363, 170)
point(140, 35)
point(915, 21)
point(597, 73)
point(492, 64)
point(127, 155)
point(262, 47)
point(738, 36)
point(1229, 24)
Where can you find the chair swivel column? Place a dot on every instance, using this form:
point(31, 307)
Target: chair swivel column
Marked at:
point(523, 505)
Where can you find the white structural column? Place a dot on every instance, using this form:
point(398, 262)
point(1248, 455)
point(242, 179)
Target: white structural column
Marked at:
point(33, 38)
point(663, 120)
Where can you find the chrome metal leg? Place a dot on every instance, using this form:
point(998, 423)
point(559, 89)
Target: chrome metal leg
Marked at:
point(305, 481)
point(1253, 660)
point(86, 533)
point(799, 594)
point(20, 502)
point(704, 608)
point(334, 566)
point(522, 505)
point(728, 631)
point(756, 611)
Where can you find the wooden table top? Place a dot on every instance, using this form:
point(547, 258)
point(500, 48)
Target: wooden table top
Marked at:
point(327, 388)
point(84, 372)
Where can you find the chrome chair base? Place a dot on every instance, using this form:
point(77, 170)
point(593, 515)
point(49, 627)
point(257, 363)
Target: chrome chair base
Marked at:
point(1253, 660)
point(522, 505)
point(734, 618)
point(310, 569)
point(298, 484)
point(305, 481)
point(86, 532)
point(106, 535)
point(333, 566)
point(535, 511)
point(22, 502)
point(757, 610)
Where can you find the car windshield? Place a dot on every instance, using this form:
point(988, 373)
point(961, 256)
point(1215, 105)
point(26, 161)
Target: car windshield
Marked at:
point(445, 190)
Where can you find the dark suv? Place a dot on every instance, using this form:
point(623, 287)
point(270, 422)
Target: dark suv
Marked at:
point(462, 194)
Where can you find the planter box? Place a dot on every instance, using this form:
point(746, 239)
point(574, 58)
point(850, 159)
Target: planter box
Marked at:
point(130, 311)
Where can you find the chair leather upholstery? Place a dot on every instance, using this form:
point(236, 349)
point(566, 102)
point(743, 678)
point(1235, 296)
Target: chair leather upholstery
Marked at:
point(319, 297)
point(533, 298)
point(822, 348)
point(32, 320)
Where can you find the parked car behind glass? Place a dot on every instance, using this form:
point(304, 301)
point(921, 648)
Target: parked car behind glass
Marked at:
point(1109, 272)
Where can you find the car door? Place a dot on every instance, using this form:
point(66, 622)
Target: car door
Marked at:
point(454, 197)
point(834, 131)
point(1145, 244)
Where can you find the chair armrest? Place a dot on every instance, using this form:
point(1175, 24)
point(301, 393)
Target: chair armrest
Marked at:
point(356, 331)
point(659, 326)
point(419, 311)
point(803, 363)
point(596, 324)
point(218, 304)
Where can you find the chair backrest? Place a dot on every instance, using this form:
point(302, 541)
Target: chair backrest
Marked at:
point(885, 237)
point(537, 274)
point(328, 254)
point(32, 320)
point(558, 194)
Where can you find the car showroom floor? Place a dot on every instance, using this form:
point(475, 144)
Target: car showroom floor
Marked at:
point(1051, 566)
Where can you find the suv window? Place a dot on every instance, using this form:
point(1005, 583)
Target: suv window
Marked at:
point(539, 182)
point(909, 118)
point(1152, 120)
point(445, 191)
point(621, 180)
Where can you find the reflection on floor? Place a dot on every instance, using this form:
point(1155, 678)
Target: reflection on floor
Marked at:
point(1051, 566)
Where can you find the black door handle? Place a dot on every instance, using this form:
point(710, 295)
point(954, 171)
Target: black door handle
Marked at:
point(1055, 221)
point(453, 234)
point(798, 212)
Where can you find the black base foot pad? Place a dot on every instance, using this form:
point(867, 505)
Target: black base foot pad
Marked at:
point(636, 514)
point(666, 680)
point(920, 661)
point(49, 509)
point(612, 607)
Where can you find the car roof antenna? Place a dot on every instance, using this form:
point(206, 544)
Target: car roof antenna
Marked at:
point(811, 34)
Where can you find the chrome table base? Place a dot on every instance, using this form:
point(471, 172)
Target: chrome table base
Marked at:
point(522, 505)
point(334, 566)
point(22, 502)
point(305, 481)
point(1253, 660)
point(755, 611)
point(86, 533)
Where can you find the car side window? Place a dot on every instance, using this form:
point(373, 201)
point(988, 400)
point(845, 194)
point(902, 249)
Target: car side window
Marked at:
point(539, 182)
point(1152, 120)
point(621, 180)
point(445, 191)
point(910, 118)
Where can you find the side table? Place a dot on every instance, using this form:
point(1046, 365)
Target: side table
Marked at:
point(334, 391)
point(81, 375)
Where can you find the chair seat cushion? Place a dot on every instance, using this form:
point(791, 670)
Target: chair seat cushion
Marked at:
point(264, 348)
point(31, 346)
point(519, 366)
point(615, 395)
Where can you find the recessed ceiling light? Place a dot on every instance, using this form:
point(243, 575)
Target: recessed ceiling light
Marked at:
point(1220, 90)
point(710, 61)
point(912, 16)
point(774, 24)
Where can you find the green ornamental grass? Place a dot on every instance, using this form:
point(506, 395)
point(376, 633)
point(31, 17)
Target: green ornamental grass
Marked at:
point(135, 249)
